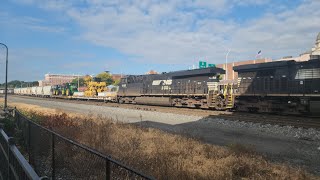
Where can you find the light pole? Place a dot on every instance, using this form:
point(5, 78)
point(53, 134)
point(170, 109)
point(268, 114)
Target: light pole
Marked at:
point(227, 64)
point(6, 87)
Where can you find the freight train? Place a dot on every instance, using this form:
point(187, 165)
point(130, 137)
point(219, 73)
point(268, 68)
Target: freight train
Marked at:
point(282, 87)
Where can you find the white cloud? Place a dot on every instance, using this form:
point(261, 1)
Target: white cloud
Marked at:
point(183, 31)
point(29, 23)
point(48, 4)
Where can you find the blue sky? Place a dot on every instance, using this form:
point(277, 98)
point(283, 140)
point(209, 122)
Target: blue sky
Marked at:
point(134, 36)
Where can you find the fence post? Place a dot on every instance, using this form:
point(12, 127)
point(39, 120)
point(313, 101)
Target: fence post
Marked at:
point(14, 112)
point(15, 116)
point(29, 149)
point(108, 169)
point(10, 143)
point(53, 157)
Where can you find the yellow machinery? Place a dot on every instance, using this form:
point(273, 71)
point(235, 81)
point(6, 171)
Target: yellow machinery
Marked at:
point(94, 86)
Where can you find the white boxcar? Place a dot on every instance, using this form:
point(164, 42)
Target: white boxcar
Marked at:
point(17, 90)
point(10, 91)
point(29, 91)
point(21, 91)
point(33, 90)
point(24, 91)
point(47, 91)
point(39, 91)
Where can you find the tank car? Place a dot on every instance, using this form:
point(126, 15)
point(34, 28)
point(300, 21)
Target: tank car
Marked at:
point(190, 88)
point(284, 87)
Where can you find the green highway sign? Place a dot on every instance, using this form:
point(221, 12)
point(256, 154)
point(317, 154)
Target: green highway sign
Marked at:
point(202, 64)
point(211, 65)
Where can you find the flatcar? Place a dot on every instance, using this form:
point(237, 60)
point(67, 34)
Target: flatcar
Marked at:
point(284, 87)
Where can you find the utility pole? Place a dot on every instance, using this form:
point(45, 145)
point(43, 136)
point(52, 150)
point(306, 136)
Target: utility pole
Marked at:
point(6, 87)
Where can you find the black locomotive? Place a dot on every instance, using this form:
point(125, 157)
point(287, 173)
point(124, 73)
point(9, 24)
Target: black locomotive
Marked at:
point(190, 88)
point(284, 87)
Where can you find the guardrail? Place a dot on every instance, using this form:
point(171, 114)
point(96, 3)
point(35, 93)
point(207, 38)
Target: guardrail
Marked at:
point(58, 157)
point(12, 163)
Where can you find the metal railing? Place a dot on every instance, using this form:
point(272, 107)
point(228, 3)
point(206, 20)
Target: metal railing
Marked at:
point(12, 163)
point(58, 157)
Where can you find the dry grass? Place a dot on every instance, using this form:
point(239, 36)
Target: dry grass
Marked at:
point(163, 155)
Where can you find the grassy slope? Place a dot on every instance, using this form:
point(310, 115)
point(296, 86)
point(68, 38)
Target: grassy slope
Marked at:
point(163, 155)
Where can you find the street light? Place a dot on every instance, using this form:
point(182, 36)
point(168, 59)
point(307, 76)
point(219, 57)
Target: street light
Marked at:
point(6, 87)
point(227, 64)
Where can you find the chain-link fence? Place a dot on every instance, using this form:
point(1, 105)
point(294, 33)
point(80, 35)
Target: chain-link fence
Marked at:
point(12, 163)
point(57, 157)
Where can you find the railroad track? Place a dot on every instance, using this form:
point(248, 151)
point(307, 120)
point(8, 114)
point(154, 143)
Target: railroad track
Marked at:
point(295, 121)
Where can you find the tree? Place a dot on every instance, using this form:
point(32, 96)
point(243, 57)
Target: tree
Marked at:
point(75, 82)
point(18, 84)
point(35, 83)
point(116, 82)
point(105, 77)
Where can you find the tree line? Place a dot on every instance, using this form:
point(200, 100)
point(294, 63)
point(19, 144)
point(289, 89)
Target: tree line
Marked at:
point(19, 84)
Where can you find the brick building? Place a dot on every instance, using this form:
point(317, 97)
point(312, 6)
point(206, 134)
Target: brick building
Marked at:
point(116, 77)
point(231, 75)
point(57, 79)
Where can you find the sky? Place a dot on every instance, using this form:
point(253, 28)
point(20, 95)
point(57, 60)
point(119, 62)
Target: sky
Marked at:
point(135, 36)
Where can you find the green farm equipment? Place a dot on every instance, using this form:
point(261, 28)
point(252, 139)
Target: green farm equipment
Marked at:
point(64, 90)
point(68, 89)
